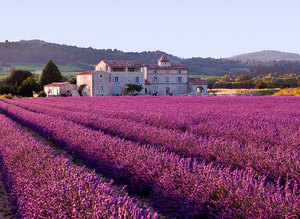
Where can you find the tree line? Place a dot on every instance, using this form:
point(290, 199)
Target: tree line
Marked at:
point(250, 81)
point(24, 83)
point(86, 58)
point(36, 51)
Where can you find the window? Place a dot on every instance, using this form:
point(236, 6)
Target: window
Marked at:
point(179, 80)
point(155, 80)
point(131, 69)
point(101, 89)
point(168, 90)
point(179, 71)
point(101, 76)
point(116, 80)
point(167, 80)
point(155, 71)
point(137, 79)
point(118, 69)
point(179, 90)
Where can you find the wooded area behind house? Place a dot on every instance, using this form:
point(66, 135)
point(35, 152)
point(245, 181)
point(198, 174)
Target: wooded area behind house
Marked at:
point(37, 51)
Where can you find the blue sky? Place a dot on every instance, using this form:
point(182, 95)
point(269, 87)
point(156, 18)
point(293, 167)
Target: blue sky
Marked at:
point(189, 28)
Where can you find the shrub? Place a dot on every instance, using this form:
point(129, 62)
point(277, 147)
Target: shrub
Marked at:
point(265, 92)
point(42, 94)
point(132, 88)
point(297, 93)
point(8, 96)
point(288, 92)
point(28, 86)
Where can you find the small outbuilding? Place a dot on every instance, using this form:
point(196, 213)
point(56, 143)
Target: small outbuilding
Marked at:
point(59, 89)
point(197, 87)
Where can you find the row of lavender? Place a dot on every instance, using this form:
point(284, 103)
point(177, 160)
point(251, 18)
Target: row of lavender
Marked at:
point(193, 188)
point(45, 185)
point(184, 112)
point(263, 120)
point(280, 159)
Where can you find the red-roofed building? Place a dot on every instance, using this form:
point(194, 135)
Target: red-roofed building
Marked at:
point(164, 60)
point(197, 87)
point(59, 89)
point(165, 78)
point(111, 76)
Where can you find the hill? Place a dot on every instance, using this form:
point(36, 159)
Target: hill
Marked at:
point(38, 51)
point(266, 56)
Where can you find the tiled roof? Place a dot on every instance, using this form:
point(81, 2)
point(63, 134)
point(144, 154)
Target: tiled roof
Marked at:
point(172, 67)
point(56, 84)
point(164, 58)
point(123, 64)
point(196, 81)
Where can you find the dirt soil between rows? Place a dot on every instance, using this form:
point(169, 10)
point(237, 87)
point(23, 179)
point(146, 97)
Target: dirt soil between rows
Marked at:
point(5, 208)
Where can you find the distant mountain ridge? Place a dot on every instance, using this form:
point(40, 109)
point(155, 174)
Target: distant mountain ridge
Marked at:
point(38, 51)
point(267, 56)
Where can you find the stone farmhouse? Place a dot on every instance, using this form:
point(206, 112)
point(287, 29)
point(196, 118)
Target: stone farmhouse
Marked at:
point(110, 78)
point(59, 89)
point(166, 79)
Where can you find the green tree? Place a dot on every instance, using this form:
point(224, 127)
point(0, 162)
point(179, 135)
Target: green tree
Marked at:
point(211, 82)
point(18, 76)
point(132, 88)
point(42, 94)
point(242, 78)
point(261, 85)
point(50, 74)
point(28, 86)
point(8, 89)
point(73, 80)
point(225, 78)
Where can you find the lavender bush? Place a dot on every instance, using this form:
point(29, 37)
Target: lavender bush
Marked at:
point(45, 185)
point(192, 187)
point(224, 143)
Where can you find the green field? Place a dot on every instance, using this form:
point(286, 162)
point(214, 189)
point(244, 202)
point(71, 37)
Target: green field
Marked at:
point(4, 74)
point(37, 66)
point(240, 70)
point(69, 75)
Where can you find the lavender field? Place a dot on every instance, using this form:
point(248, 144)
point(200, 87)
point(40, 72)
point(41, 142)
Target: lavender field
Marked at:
point(151, 157)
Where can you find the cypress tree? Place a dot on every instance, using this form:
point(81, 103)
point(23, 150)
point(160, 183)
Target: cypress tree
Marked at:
point(50, 74)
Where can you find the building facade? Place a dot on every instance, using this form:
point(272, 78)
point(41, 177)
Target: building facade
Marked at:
point(197, 87)
point(110, 78)
point(165, 78)
point(59, 89)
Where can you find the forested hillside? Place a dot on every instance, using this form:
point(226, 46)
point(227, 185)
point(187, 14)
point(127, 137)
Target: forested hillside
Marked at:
point(37, 51)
